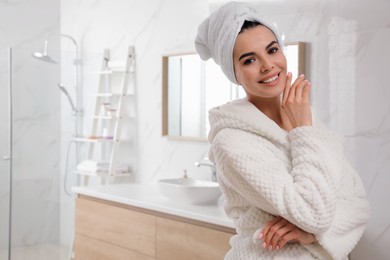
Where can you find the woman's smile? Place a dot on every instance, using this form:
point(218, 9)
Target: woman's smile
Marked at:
point(270, 81)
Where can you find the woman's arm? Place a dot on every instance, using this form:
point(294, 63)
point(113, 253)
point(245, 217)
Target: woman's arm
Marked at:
point(305, 194)
point(351, 216)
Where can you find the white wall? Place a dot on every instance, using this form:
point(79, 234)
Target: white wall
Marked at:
point(348, 42)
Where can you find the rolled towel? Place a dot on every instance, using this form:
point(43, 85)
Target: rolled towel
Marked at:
point(217, 34)
point(92, 163)
point(100, 166)
point(101, 170)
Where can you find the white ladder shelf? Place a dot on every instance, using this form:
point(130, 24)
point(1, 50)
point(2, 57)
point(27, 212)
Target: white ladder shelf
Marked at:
point(103, 112)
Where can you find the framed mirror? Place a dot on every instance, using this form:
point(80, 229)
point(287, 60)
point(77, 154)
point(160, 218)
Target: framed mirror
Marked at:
point(190, 87)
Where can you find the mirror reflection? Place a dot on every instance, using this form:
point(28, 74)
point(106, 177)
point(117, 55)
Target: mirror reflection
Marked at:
point(192, 86)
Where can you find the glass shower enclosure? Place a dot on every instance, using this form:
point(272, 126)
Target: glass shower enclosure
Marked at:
point(31, 200)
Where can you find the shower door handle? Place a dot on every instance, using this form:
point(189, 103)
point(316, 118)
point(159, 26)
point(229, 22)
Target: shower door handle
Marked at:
point(6, 158)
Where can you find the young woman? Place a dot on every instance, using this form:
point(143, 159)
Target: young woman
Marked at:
point(286, 182)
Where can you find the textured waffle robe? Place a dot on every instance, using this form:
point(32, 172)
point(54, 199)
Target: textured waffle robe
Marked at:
point(301, 175)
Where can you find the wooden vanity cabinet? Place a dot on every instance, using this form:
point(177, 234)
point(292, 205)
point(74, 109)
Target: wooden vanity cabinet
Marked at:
point(108, 230)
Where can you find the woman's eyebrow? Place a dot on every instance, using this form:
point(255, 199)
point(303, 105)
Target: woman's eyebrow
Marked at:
point(246, 54)
point(269, 45)
point(252, 53)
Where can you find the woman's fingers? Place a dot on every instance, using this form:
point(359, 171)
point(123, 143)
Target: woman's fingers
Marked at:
point(306, 93)
point(265, 230)
point(286, 89)
point(292, 96)
point(299, 90)
point(296, 103)
point(278, 236)
point(280, 231)
point(272, 233)
point(272, 228)
point(292, 235)
point(296, 235)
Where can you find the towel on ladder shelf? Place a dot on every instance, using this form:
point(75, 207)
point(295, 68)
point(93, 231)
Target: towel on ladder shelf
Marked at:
point(100, 166)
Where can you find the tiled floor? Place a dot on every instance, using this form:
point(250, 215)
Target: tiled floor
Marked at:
point(48, 252)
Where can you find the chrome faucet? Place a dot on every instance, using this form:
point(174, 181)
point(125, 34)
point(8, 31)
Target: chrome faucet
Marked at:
point(212, 167)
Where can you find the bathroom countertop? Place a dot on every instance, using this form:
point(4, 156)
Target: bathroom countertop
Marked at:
point(148, 196)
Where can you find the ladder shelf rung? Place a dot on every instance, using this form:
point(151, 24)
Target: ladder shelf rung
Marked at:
point(107, 117)
point(110, 71)
point(111, 94)
point(113, 117)
point(99, 140)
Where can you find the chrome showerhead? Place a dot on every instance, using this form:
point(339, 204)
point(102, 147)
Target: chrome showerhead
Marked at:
point(43, 57)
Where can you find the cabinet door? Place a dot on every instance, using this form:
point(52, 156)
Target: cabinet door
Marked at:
point(116, 225)
point(178, 240)
point(87, 248)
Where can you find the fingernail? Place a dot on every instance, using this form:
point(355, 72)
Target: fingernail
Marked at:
point(270, 247)
point(264, 245)
point(302, 75)
point(289, 74)
point(277, 247)
point(261, 236)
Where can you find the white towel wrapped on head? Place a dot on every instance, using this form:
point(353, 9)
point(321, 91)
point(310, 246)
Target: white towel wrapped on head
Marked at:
point(217, 34)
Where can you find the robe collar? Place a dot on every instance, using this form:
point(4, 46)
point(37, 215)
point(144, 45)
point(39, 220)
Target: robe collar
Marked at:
point(242, 114)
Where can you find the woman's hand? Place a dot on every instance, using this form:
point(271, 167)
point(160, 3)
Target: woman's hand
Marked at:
point(295, 101)
point(280, 231)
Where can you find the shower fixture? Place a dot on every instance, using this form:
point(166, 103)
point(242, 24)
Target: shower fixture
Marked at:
point(77, 106)
point(63, 89)
point(43, 55)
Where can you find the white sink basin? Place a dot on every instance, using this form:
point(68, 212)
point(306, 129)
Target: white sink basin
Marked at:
point(190, 191)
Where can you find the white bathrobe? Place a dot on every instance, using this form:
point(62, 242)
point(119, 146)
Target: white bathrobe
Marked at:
point(301, 175)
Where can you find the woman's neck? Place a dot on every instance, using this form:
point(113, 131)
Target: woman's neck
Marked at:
point(272, 108)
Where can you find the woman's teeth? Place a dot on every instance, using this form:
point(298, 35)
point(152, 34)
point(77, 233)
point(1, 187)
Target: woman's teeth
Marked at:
point(270, 79)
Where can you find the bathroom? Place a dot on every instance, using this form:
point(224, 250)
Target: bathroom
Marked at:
point(348, 46)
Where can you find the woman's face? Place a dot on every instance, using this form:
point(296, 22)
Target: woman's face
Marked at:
point(259, 63)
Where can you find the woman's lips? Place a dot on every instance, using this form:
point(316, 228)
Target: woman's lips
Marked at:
point(271, 81)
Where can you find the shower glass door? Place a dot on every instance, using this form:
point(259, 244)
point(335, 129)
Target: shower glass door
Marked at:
point(30, 127)
point(5, 165)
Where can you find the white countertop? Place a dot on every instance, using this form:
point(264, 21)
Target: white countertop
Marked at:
point(148, 196)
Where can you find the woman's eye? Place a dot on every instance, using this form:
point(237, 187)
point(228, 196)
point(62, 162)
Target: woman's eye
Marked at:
point(272, 50)
point(249, 61)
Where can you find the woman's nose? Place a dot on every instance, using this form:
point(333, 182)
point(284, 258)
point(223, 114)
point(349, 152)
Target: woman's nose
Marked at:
point(266, 65)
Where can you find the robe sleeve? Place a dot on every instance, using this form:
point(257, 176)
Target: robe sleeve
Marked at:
point(351, 216)
point(304, 194)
